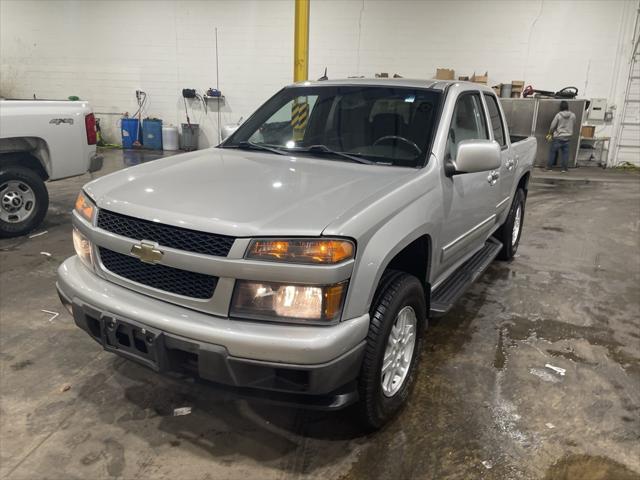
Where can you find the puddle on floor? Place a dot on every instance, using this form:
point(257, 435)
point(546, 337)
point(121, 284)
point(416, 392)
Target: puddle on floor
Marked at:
point(501, 355)
point(585, 467)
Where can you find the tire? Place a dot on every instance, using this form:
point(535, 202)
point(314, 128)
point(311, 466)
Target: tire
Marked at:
point(397, 292)
point(24, 201)
point(510, 239)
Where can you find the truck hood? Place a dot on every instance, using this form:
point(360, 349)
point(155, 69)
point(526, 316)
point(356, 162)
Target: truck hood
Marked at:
point(245, 193)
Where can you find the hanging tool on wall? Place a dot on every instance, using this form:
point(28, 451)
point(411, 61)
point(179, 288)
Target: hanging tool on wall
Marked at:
point(192, 93)
point(187, 93)
point(141, 99)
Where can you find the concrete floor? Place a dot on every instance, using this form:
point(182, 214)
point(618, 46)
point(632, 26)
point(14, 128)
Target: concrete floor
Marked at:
point(485, 405)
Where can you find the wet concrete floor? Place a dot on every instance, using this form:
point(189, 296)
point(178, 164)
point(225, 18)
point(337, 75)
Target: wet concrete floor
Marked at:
point(485, 406)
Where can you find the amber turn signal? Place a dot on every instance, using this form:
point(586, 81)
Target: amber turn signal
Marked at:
point(84, 207)
point(322, 251)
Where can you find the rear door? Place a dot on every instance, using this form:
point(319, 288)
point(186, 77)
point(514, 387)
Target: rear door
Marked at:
point(507, 169)
point(469, 199)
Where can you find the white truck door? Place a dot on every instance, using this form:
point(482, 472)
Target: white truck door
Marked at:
point(470, 198)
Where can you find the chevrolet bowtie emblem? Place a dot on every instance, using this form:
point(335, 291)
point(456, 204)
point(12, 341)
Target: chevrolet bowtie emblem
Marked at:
point(147, 252)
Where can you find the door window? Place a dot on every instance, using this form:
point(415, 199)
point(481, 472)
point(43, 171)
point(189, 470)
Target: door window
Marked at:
point(496, 120)
point(468, 123)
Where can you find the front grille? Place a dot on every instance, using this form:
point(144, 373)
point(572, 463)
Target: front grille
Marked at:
point(166, 235)
point(169, 279)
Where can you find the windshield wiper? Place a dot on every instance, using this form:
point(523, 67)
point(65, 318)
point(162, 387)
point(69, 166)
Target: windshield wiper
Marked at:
point(246, 145)
point(325, 149)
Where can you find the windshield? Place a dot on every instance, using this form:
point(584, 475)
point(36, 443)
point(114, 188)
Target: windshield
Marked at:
point(387, 125)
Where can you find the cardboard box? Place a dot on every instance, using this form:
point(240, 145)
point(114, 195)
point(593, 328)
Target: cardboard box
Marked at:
point(587, 131)
point(480, 78)
point(445, 74)
point(516, 88)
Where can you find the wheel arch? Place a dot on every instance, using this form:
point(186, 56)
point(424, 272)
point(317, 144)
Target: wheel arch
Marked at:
point(28, 152)
point(414, 259)
point(523, 183)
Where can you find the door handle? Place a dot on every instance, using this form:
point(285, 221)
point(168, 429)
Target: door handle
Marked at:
point(511, 164)
point(492, 178)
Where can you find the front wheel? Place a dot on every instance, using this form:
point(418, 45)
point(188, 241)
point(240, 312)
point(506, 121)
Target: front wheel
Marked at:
point(24, 201)
point(394, 342)
point(510, 231)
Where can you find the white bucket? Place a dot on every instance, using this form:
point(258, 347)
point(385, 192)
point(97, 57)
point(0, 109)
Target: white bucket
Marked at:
point(170, 139)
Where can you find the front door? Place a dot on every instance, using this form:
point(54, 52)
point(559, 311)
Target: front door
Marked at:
point(469, 198)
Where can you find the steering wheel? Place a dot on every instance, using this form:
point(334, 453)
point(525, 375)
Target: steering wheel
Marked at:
point(386, 138)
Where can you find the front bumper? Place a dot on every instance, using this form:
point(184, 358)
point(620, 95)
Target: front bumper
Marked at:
point(295, 359)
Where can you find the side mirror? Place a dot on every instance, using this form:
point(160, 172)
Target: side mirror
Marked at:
point(475, 156)
point(228, 129)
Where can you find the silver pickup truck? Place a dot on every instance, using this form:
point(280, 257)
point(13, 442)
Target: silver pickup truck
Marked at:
point(301, 258)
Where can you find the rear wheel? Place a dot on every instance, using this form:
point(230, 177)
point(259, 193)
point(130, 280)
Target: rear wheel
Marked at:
point(394, 342)
point(24, 201)
point(510, 231)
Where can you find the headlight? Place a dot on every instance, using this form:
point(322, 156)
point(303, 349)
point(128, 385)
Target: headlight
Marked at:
point(85, 207)
point(323, 251)
point(282, 302)
point(83, 248)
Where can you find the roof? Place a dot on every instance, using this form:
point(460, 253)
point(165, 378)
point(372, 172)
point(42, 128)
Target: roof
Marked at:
point(395, 82)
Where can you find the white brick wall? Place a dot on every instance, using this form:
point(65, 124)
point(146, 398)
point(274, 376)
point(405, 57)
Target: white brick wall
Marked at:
point(104, 50)
point(549, 44)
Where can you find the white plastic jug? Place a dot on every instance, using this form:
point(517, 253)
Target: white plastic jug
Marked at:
point(170, 139)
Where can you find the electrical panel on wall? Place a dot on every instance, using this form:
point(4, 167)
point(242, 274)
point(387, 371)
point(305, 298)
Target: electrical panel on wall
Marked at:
point(597, 109)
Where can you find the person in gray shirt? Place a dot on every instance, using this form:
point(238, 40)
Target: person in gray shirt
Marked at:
point(560, 132)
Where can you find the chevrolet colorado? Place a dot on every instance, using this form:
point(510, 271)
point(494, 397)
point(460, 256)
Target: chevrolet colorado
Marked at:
point(303, 256)
point(40, 140)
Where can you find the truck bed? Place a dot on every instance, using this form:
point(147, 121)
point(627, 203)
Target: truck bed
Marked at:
point(525, 149)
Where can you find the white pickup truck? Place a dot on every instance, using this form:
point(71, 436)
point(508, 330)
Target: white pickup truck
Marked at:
point(40, 140)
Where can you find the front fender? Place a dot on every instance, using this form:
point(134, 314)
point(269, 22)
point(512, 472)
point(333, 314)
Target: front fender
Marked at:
point(385, 242)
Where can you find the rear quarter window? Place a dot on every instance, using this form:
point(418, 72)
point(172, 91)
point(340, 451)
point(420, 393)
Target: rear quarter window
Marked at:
point(496, 119)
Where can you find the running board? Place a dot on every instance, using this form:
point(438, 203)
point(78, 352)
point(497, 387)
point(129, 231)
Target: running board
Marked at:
point(449, 291)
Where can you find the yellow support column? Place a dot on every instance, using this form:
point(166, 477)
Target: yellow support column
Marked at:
point(301, 42)
point(300, 108)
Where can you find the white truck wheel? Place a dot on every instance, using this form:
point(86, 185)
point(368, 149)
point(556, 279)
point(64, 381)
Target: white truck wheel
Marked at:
point(24, 201)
